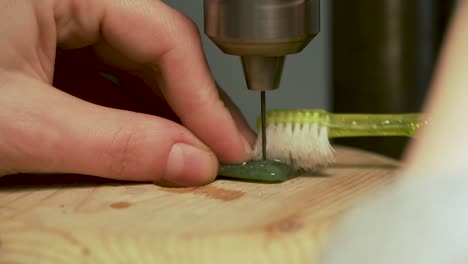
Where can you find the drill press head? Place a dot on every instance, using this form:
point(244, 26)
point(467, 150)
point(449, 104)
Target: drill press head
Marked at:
point(262, 32)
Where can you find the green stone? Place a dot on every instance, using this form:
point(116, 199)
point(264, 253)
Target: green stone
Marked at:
point(257, 170)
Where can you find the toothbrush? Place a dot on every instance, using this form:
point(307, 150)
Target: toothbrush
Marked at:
point(300, 137)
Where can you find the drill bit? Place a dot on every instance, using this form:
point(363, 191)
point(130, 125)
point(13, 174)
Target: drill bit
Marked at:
point(263, 114)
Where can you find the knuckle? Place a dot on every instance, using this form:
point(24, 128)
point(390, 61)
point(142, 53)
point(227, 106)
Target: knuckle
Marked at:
point(186, 26)
point(123, 152)
point(192, 27)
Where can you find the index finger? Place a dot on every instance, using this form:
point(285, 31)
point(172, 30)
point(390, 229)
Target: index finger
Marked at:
point(155, 35)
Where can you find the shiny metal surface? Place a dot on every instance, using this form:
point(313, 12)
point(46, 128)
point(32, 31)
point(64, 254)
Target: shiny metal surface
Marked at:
point(261, 72)
point(263, 115)
point(262, 32)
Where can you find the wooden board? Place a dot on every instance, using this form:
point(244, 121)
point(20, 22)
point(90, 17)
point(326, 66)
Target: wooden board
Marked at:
point(69, 219)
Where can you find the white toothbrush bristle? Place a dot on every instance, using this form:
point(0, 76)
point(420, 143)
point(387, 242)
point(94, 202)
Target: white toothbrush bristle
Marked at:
point(303, 146)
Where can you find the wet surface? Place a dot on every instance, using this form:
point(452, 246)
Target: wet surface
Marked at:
point(258, 170)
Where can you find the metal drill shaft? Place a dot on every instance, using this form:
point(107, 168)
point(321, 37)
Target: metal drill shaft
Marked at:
point(263, 114)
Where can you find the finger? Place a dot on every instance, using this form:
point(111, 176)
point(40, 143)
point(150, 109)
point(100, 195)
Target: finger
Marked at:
point(239, 118)
point(46, 130)
point(169, 44)
point(76, 67)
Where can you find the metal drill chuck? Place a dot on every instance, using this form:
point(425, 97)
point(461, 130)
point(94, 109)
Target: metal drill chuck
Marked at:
point(262, 32)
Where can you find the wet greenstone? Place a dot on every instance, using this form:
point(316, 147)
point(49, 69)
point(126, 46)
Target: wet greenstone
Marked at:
point(257, 170)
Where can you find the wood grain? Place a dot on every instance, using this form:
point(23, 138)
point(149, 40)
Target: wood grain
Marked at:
point(68, 219)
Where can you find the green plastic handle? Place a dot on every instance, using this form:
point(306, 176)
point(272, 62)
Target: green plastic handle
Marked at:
point(349, 125)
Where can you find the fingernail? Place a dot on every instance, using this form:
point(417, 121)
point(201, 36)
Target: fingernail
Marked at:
point(250, 136)
point(247, 146)
point(188, 165)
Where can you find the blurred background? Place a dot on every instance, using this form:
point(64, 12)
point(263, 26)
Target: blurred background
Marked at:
point(371, 56)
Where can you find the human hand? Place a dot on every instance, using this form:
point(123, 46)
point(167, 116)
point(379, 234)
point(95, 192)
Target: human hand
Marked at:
point(45, 130)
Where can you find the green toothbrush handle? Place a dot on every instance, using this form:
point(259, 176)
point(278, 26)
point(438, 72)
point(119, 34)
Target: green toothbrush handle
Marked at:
point(349, 125)
point(361, 125)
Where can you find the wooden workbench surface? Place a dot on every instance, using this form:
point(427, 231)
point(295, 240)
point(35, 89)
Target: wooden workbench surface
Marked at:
point(75, 219)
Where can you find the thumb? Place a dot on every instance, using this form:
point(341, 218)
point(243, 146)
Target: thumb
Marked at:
point(44, 130)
